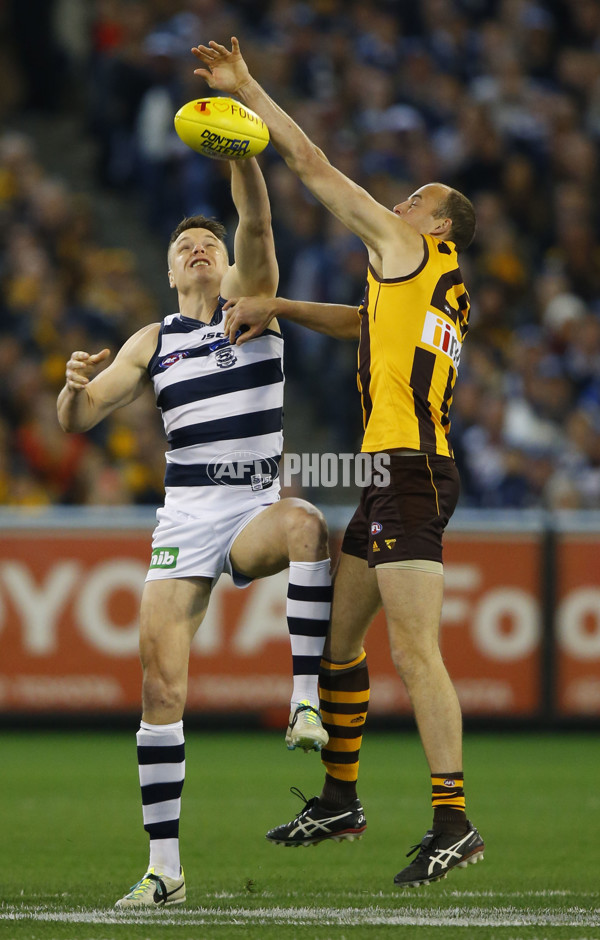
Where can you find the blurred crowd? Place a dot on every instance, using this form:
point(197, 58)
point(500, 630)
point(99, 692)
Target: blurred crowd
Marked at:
point(500, 98)
point(61, 291)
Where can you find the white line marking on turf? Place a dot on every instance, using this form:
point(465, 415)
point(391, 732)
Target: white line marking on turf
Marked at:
point(456, 895)
point(324, 916)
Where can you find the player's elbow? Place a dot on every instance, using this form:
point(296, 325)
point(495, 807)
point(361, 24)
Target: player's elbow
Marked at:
point(260, 226)
point(306, 159)
point(319, 153)
point(265, 288)
point(346, 331)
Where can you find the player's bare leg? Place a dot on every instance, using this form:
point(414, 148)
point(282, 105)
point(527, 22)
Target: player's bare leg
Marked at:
point(171, 612)
point(413, 604)
point(290, 530)
point(356, 600)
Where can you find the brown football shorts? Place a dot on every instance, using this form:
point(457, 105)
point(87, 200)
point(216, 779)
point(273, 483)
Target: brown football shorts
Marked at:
point(405, 520)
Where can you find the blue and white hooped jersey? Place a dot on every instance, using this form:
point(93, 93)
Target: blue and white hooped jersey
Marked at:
point(222, 409)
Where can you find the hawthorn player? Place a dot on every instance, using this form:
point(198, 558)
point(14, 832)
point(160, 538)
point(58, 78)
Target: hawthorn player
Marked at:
point(412, 325)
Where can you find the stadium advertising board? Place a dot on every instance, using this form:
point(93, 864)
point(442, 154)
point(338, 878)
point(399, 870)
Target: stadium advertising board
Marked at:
point(69, 630)
point(491, 628)
point(578, 626)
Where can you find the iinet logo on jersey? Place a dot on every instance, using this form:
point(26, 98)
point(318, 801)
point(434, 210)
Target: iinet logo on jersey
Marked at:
point(440, 334)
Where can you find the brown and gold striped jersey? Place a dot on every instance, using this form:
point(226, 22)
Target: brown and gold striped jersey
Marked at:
point(411, 334)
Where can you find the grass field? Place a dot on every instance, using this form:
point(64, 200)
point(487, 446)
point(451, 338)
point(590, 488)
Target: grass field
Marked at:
point(73, 842)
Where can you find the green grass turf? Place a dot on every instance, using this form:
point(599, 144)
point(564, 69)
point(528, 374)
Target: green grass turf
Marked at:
point(73, 843)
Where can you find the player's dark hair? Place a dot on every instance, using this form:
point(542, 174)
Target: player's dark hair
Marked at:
point(460, 209)
point(198, 221)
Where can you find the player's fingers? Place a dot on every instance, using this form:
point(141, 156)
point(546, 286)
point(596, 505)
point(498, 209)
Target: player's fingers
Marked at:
point(235, 46)
point(77, 366)
point(100, 356)
point(79, 354)
point(222, 50)
point(249, 332)
point(76, 379)
point(230, 328)
point(246, 335)
point(204, 54)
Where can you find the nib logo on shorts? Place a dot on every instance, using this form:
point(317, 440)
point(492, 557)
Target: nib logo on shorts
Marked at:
point(164, 558)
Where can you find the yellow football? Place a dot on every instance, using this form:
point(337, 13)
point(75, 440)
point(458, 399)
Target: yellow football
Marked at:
point(221, 128)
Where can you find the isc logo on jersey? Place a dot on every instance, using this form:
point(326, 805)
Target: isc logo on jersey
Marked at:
point(440, 334)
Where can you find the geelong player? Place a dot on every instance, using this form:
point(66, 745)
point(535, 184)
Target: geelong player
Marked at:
point(222, 412)
point(412, 325)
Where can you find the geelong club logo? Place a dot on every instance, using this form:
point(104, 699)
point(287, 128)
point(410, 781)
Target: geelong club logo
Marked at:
point(225, 358)
point(224, 354)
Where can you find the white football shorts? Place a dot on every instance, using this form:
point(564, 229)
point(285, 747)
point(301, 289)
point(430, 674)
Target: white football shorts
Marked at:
point(185, 546)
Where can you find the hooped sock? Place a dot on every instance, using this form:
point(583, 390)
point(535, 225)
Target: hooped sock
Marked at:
point(344, 693)
point(308, 610)
point(161, 761)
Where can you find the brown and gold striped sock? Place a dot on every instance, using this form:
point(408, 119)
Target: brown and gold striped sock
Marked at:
point(448, 801)
point(344, 700)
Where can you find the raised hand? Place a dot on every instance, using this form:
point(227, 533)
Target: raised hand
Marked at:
point(81, 367)
point(225, 70)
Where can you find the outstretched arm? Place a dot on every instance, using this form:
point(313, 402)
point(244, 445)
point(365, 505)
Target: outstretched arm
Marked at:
point(255, 265)
point(362, 214)
point(84, 401)
point(253, 315)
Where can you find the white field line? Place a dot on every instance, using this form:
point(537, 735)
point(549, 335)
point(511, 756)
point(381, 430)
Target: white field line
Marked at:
point(322, 916)
point(443, 893)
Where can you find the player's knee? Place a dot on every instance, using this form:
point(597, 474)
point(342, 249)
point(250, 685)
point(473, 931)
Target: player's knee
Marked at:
point(412, 663)
point(307, 529)
point(161, 693)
